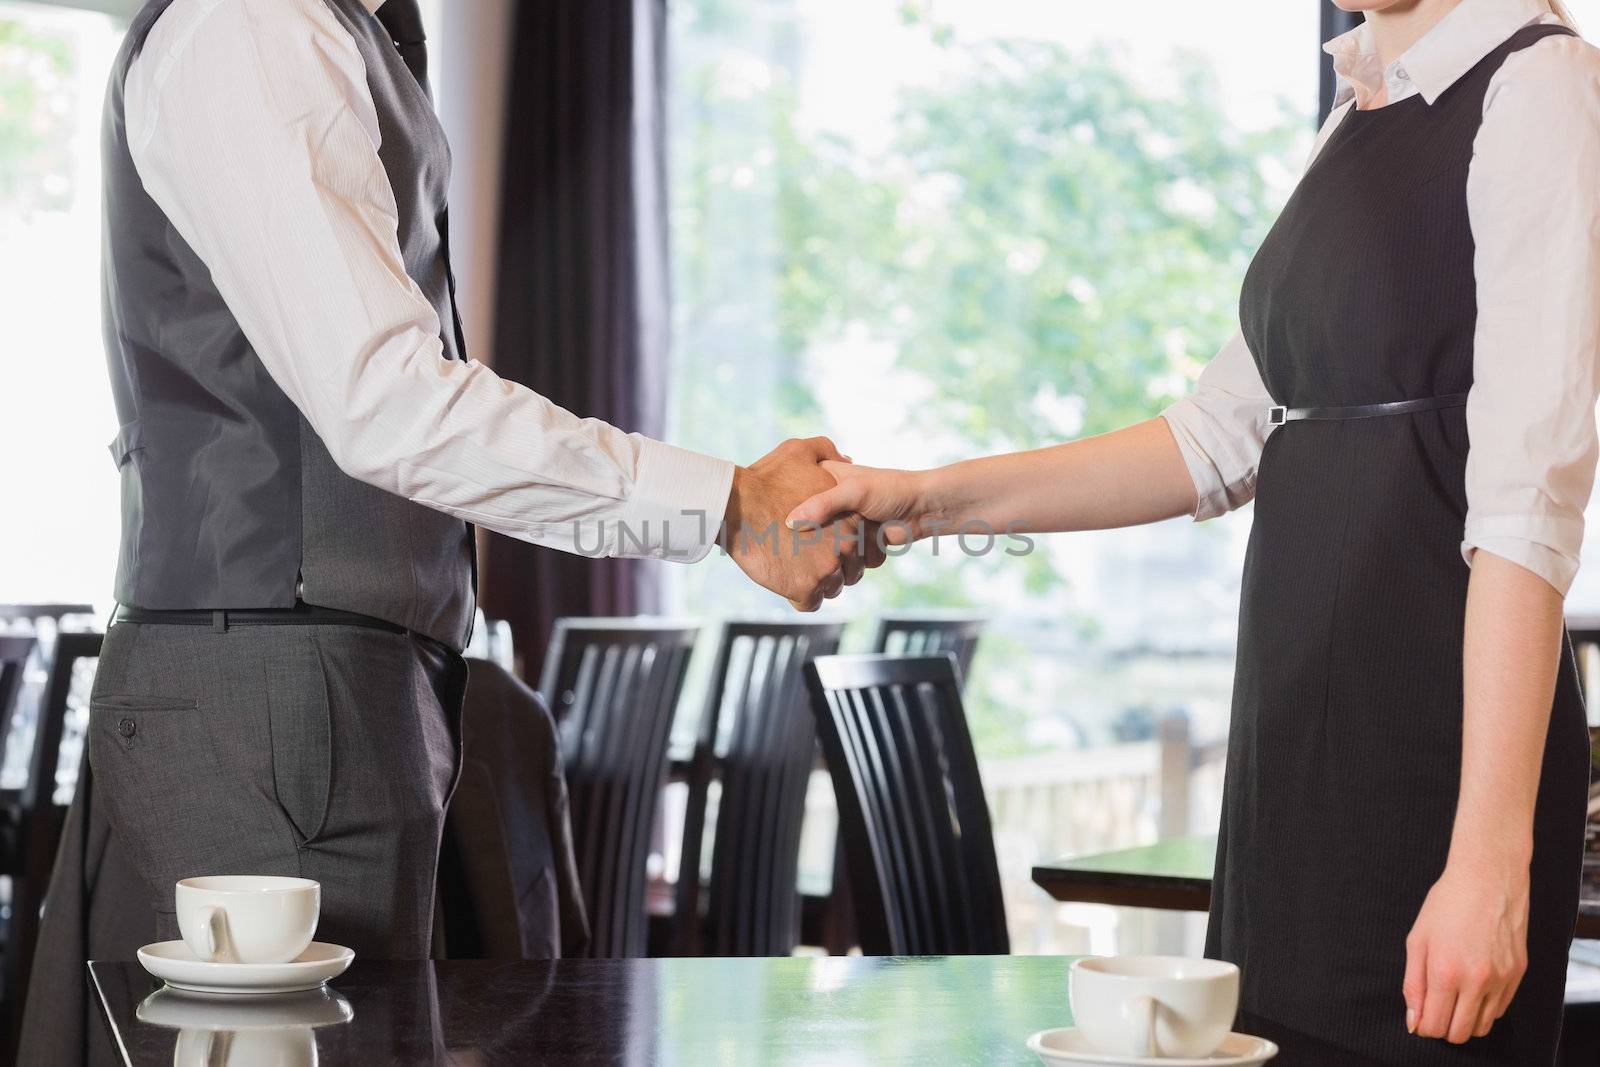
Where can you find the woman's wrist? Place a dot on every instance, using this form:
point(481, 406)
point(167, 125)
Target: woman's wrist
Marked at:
point(934, 493)
point(1491, 851)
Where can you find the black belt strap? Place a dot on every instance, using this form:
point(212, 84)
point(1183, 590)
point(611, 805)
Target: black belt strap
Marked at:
point(299, 615)
point(1277, 416)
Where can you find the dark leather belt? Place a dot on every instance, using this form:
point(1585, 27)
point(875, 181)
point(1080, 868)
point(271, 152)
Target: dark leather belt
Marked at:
point(1279, 415)
point(299, 615)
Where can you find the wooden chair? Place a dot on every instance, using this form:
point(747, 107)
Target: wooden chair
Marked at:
point(613, 685)
point(831, 918)
point(756, 737)
point(928, 635)
point(917, 837)
point(31, 821)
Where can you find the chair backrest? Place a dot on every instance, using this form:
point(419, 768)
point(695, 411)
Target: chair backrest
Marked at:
point(613, 685)
point(917, 837)
point(757, 739)
point(928, 635)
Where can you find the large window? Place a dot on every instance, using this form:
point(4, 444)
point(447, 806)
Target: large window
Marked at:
point(58, 536)
point(946, 228)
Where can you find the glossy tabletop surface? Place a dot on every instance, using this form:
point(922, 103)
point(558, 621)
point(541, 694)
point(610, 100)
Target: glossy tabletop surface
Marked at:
point(836, 1010)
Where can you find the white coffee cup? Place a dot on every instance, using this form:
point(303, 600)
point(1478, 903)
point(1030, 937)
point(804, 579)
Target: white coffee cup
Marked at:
point(248, 918)
point(1154, 1005)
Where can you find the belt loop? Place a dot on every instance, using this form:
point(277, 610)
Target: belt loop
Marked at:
point(219, 622)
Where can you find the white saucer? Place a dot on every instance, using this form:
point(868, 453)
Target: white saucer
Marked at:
point(1065, 1046)
point(173, 963)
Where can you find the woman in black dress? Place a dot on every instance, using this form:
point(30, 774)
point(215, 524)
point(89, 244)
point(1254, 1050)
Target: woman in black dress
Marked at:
point(1410, 402)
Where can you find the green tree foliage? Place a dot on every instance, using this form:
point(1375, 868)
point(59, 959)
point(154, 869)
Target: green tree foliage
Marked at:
point(36, 69)
point(1040, 227)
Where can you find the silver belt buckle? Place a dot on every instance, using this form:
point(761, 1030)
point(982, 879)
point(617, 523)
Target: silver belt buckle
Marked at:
point(1277, 416)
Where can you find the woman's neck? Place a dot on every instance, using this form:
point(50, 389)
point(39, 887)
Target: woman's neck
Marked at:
point(1399, 26)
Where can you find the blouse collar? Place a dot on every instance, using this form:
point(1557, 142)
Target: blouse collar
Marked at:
point(1471, 30)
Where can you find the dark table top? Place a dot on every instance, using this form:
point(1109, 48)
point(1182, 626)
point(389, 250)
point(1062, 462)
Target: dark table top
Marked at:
point(1175, 873)
point(834, 1010)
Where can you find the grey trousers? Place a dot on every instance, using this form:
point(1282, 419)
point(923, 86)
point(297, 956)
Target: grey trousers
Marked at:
point(327, 752)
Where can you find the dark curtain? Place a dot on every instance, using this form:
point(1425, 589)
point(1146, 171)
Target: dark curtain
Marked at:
point(581, 306)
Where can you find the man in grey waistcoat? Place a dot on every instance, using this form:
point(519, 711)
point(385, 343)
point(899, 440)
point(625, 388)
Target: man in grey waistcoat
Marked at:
point(304, 450)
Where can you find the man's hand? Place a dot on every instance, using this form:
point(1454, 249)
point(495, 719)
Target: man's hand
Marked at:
point(806, 565)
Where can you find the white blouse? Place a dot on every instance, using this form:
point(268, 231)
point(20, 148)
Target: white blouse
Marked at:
point(251, 125)
point(1533, 199)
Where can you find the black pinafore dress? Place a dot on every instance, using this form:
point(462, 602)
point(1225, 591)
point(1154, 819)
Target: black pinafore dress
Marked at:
point(1345, 748)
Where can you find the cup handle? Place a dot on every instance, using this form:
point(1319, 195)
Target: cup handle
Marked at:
point(219, 1045)
point(1141, 1012)
point(214, 932)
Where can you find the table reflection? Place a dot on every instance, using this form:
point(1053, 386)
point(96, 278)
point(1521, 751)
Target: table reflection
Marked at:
point(230, 1030)
point(787, 1012)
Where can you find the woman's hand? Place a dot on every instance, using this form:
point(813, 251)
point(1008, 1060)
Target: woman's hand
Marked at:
point(1467, 951)
point(893, 499)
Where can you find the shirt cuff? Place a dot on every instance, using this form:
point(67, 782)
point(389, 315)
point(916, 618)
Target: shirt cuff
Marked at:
point(1188, 426)
point(677, 505)
point(1530, 542)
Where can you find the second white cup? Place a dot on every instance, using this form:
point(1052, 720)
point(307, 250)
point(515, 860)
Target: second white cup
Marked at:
point(248, 918)
point(1154, 1005)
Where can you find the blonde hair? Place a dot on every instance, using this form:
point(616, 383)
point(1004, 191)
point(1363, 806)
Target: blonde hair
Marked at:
point(1561, 12)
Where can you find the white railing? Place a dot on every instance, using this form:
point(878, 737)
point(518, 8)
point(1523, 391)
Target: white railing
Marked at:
point(1070, 803)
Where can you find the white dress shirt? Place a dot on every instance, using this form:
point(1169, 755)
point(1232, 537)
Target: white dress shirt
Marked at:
point(1534, 208)
point(252, 127)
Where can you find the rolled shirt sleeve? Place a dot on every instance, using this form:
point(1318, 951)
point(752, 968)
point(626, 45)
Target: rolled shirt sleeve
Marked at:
point(251, 125)
point(1221, 428)
point(1535, 213)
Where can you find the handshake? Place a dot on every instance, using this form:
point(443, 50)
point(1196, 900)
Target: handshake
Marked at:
point(788, 527)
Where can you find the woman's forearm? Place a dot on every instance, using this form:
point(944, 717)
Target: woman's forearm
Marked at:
point(1510, 654)
point(1123, 478)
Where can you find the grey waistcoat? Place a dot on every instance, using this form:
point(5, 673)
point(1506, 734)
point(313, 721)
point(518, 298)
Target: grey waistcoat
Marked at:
point(229, 498)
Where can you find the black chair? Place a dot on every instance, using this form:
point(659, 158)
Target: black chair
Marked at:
point(831, 921)
point(30, 820)
point(927, 635)
point(756, 737)
point(613, 685)
point(508, 882)
point(917, 838)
